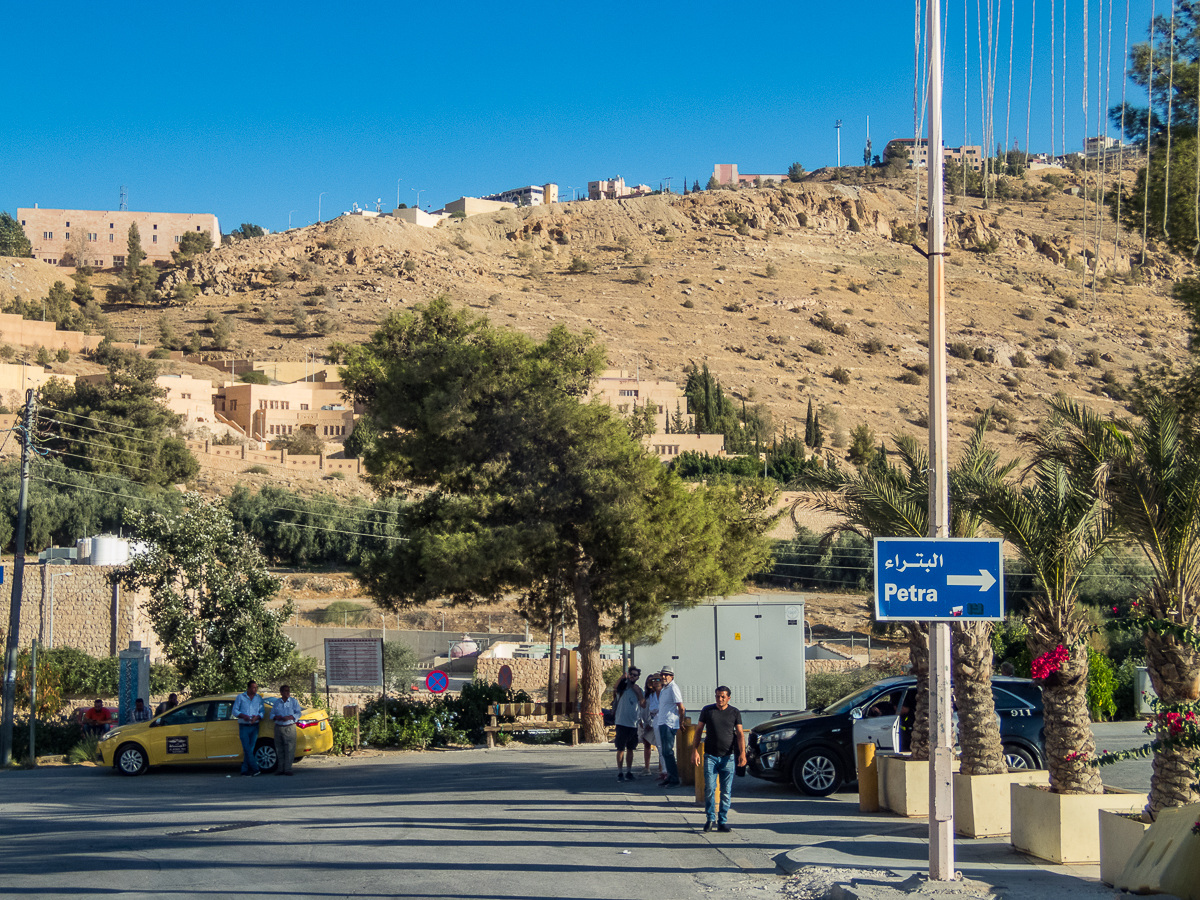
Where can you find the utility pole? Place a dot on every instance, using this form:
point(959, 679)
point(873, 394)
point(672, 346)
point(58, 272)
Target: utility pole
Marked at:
point(941, 728)
point(18, 587)
point(838, 126)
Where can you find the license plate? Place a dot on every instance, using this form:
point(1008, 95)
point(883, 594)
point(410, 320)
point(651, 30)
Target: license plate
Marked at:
point(322, 724)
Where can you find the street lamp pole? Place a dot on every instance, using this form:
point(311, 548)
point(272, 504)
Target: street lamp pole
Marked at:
point(319, 196)
point(290, 211)
point(838, 126)
point(398, 180)
point(418, 196)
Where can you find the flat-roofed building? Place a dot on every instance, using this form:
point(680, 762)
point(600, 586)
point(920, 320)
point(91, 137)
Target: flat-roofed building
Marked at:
point(918, 153)
point(529, 195)
point(615, 189)
point(473, 206)
point(105, 233)
point(727, 173)
point(267, 412)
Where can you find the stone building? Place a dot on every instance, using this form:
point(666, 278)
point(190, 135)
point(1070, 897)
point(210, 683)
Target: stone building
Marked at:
point(267, 412)
point(106, 233)
point(727, 173)
point(918, 153)
point(626, 392)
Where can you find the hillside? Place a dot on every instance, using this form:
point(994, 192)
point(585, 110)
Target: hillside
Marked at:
point(774, 289)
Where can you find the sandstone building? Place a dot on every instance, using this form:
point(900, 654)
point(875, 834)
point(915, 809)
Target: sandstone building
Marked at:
point(106, 233)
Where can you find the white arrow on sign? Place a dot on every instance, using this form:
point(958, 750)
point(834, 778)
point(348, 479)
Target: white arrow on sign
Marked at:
point(984, 580)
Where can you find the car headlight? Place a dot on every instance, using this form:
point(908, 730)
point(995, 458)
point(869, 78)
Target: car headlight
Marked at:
point(108, 736)
point(769, 742)
point(769, 760)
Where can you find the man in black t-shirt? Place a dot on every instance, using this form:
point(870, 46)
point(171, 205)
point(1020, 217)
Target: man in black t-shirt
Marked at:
point(721, 726)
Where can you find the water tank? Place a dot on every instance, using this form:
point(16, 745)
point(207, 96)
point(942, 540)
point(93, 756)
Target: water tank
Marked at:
point(109, 550)
point(465, 647)
point(84, 548)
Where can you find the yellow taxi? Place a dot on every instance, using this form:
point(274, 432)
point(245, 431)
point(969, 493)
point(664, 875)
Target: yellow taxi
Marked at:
point(203, 730)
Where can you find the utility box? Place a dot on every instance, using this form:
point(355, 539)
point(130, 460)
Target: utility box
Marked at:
point(751, 643)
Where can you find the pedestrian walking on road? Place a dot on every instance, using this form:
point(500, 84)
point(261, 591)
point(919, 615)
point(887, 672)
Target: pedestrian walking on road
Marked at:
point(721, 725)
point(248, 710)
point(628, 701)
point(668, 719)
point(285, 713)
point(646, 732)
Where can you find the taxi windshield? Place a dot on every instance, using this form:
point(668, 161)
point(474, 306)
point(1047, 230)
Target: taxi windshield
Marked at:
point(847, 703)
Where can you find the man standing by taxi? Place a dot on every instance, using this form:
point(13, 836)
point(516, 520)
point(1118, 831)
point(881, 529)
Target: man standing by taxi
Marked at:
point(248, 710)
point(285, 712)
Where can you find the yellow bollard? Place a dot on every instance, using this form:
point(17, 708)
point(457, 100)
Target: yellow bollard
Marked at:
point(683, 752)
point(868, 779)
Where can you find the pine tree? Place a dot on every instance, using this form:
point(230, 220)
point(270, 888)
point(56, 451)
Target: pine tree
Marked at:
point(678, 423)
point(696, 186)
point(818, 435)
point(134, 254)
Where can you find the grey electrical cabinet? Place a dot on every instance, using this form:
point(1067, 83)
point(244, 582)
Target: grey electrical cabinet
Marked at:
point(752, 643)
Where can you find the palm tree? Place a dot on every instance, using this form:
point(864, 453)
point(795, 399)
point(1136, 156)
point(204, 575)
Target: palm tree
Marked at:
point(893, 501)
point(1148, 472)
point(1059, 526)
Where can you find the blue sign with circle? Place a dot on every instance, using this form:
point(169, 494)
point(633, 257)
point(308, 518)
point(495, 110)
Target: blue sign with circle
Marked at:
point(436, 682)
point(939, 579)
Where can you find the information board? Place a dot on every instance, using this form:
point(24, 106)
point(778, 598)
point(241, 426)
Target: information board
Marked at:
point(939, 579)
point(354, 661)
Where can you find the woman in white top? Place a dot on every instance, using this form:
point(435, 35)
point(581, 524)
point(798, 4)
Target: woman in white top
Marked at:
point(646, 730)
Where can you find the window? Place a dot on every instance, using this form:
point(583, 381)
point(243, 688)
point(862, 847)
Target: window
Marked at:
point(47, 235)
point(92, 236)
point(110, 225)
point(68, 224)
point(233, 406)
point(177, 239)
point(304, 406)
point(186, 396)
point(287, 404)
point(110, 238)
point(197, 227)
point(155, 227)
point(118, 261)
point(326, 431)
point(627, 393)
point(262, 404)
point(222, 406)
point(154, 239)
point(185, 715)
point(67, 234)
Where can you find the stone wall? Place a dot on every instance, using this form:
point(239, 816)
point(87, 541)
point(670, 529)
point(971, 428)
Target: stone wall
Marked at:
point(529, 675)
point(73, 606)
point(232, 458)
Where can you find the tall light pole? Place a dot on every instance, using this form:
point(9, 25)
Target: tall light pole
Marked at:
point(319, 196)
point(941, 728)
point(418, 196)
point(572, 190)
point(838, 126)
point(398, 180)
point(290, 211)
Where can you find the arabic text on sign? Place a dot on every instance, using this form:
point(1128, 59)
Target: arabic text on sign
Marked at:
point(354, 661)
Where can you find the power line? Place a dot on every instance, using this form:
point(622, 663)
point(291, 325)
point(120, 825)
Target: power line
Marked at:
point(385, 537)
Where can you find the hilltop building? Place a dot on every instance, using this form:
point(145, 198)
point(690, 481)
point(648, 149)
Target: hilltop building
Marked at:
point(968, 154)
point(727, 173)
point(529, 195)
point(473, 206)
point(106, 233)
point(615, 189)
point(624, 392)
point(266, 412)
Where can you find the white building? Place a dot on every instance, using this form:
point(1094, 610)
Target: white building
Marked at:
point(530, 195)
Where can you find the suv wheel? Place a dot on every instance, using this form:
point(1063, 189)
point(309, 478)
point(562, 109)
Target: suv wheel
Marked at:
point(817, 772)
point(1017, 757)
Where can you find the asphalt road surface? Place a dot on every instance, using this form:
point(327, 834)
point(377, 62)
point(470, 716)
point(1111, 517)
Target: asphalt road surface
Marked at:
point(518, 822)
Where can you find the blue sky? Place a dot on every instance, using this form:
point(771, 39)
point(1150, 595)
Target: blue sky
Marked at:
point(251, 110)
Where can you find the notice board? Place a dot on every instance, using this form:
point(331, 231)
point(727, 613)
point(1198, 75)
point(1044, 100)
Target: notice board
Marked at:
point(353, 661)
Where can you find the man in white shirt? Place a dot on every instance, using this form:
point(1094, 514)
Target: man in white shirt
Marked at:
point(248, 710)
point(285, 712)
point(667, 720)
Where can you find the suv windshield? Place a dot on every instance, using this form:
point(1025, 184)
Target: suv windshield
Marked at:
point(847, 703)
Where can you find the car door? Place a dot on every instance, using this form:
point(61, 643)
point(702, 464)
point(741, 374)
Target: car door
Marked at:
point(223, 740)
point(880, 722)
point(179, 736)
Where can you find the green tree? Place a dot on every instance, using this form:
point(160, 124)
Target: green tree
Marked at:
point(209, 587)
point(190, 244)
point(13, 241)
point(862, 445)
point(809, 420)
point(247, 231)
point(713, 184)
point(796, 172)
point(118, 425)
point(696, 186)
point(525, 483)
point(134, 254)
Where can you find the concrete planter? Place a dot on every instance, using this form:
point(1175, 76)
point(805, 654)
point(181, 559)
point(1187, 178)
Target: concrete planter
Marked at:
point(1119, 836)
point(983, 805)
point(1064, 828)
point(904, 785)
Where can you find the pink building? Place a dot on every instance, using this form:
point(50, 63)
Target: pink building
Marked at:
point(105, 233)
point(727, 173)
point(266, 412)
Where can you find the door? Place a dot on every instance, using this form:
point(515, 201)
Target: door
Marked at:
point(738, 654)
point(223, 740)
point(880, 722)
point(179, 736)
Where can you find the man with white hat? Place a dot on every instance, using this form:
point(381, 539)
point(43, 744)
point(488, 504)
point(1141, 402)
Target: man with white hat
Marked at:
point(667, 721)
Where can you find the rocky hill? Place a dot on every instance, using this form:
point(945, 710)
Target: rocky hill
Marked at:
point(807, 292)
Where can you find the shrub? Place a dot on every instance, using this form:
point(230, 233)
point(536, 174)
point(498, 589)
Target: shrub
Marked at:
point(1074, 264)
point(921, 368)
point(1071, 302)
point(771, 270)
point(854, 226)
point(460, 241)
point(320, 291)
point(824, 688)
point(991, 245)
point(982, 354)
point(63, 355)
point(1019, 360)
point(910, 377)
point(823, 321)
point(688, 304)
point(743, 230)
point(86, 750)
point(873, 346)
point(815, 347)
point(1101, 686)
point(840, 375)
point(960, 350)
point(344, 612)
point(1057, 358)
point(1092, 358)
point(579, 266)
point(254, 378)
point(258, 470)
point(685, 281)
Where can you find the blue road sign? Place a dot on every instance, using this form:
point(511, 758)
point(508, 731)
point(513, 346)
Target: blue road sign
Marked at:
point(436, 681)
point(939, 578)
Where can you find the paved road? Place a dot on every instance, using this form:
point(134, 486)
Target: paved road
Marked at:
point(517, 822)
point(1134, 774)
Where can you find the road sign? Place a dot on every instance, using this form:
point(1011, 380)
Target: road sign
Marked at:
point(504, 677)
point(939, 579)
point(436, 682)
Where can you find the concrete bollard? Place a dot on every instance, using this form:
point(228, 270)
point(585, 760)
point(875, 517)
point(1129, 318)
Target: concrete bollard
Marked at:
point(683, 752)
point(868, 779)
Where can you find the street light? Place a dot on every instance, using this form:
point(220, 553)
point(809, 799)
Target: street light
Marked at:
point(398, 180)
point(418, 196)
point(572, 189)
point(319, 196)
point(290, 218)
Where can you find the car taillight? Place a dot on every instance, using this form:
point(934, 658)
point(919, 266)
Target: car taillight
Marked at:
point(306, 723)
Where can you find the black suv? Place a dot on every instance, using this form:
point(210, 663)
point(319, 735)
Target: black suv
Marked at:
point(815, 748)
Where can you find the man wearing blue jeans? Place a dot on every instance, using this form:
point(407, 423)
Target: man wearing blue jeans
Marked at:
point(248, 710)
point(721, 725)
point(667, 719)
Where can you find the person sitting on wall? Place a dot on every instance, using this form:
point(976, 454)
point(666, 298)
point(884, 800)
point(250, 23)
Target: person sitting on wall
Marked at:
point(97, 719)
point(171, 702)
point(140, 712)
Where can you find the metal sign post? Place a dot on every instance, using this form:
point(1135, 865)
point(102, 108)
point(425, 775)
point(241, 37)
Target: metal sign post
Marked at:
point(941, 801)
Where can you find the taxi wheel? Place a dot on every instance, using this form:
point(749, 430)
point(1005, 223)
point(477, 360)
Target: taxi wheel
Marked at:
point(266, 756)
point(131, 760)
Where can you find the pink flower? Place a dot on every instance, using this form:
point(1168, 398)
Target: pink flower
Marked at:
point(1050, 662)
point(1115, 609)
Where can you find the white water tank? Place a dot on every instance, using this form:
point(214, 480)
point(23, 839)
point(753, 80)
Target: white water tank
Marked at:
point(109, 550)
point(84, 548)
